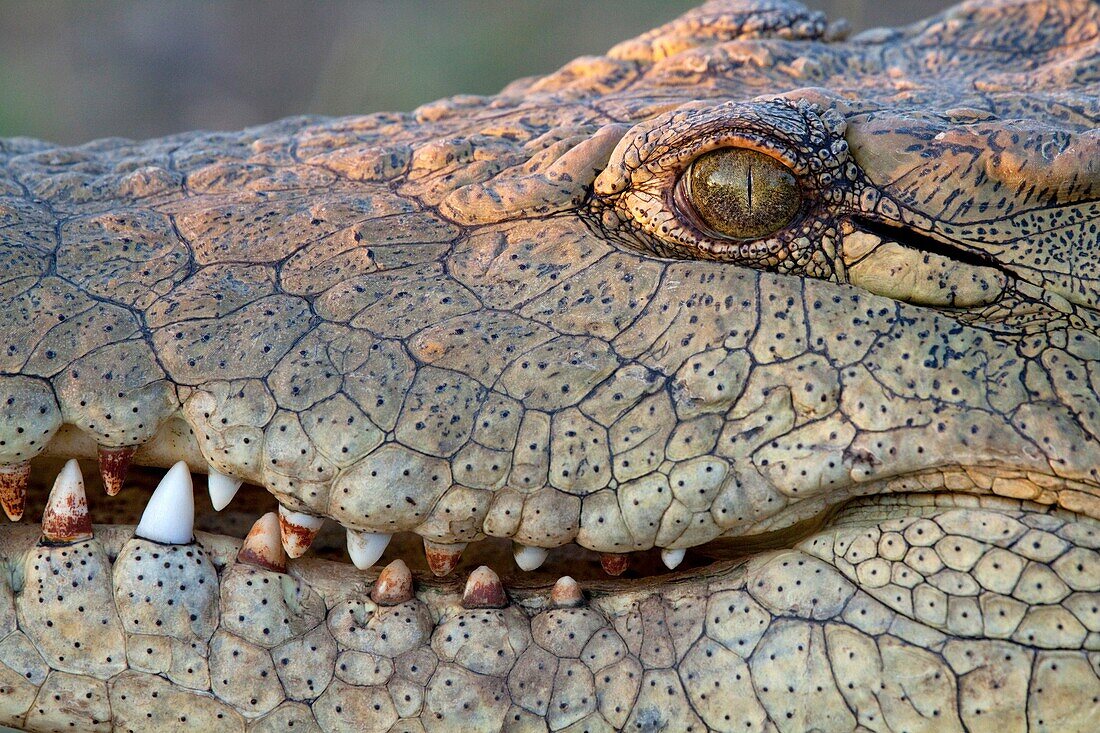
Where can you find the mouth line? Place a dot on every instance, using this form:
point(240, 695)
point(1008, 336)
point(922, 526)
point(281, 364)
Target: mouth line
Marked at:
point(119, 515)
point(914, 239)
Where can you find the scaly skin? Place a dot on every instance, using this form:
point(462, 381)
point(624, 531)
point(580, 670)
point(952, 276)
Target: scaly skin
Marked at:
point(491, 318)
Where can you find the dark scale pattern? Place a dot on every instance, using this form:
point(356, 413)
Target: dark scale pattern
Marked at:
point(492, 316)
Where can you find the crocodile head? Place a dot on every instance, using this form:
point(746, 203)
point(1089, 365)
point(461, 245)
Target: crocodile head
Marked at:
point(815, 316)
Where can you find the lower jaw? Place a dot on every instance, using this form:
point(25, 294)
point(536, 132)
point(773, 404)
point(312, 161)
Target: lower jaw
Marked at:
point(746, 633)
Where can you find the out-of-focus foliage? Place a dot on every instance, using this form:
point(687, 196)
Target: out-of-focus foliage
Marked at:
point(72, 70)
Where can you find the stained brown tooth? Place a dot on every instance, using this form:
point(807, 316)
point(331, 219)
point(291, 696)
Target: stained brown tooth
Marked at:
point(484, 590)
point(566, 593)
point(66, 517)
point(614, 563)
point(263, 546)
point(298, 530)
point(113, 465)
point(394, 584)
point(13, 489)
point(442, 558)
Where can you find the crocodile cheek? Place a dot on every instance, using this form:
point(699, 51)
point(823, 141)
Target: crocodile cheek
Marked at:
point(1053, 171)
point(70, 617)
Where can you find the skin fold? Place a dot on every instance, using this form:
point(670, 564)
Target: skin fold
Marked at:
point(500, 317)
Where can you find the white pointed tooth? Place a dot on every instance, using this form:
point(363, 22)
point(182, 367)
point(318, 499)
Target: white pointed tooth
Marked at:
point(70, 479)
point(529, 558)
point(170, 514)
point(366, 547)
point(222, 488)
point(672, 558)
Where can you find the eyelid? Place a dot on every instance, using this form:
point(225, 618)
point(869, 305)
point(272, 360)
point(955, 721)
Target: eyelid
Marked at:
point(776, 127)
point(638, 185)
point(678, 161)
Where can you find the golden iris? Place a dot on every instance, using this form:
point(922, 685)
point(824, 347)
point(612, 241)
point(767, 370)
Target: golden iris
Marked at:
point(741, 193)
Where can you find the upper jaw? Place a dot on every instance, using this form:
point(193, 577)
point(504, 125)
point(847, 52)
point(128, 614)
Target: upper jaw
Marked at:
point(610, 399)
point(533, 381)
point(754, 432)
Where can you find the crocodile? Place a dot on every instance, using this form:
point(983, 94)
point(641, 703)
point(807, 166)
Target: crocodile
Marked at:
point(771, 352)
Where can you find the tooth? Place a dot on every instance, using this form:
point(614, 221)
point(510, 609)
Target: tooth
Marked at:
point(441, 557)
point(529, 558)
point(566, 593)
point(614, 563)
point(13, 489)
point(298, 530)
point(672, 558)
point(169, 516)
point(366, 547)
point(113, 465)
point(484, 590)
point(262, 546)
point(222, 488)
point(394, 584)
point(66, 517)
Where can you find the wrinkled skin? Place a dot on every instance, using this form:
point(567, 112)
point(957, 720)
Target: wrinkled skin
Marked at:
point(489, 318)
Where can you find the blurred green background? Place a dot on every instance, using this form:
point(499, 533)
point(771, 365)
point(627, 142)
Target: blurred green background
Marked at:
point(72, 70)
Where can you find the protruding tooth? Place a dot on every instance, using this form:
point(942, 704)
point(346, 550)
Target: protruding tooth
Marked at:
point(222, 488)
point(566, 593)
point(366, 547)
point(672, 558)
point(262, 546)
point(441, 557)
point(298, 530)
point(529, 558)
point(113, 465)
point(66, 517)
point(484, 590)
point(170, 514)
point(394, 584)
point(614, 563)
point(13, 489)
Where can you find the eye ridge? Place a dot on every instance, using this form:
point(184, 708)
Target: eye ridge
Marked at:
point(738, 193)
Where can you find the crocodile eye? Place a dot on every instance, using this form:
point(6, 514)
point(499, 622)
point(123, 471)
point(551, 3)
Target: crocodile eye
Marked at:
point(739, 193)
